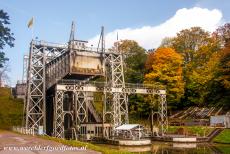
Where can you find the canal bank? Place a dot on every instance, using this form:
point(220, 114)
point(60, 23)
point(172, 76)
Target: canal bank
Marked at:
point(173, 148)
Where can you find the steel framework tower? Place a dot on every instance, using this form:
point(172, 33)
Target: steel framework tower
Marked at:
point(50, 63)
point(162, 110)
point(116, 104)
point(40, 54)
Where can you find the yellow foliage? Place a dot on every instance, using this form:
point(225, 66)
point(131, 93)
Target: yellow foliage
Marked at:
point(166, 69)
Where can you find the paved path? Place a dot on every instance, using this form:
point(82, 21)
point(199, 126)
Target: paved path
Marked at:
point(11, 140)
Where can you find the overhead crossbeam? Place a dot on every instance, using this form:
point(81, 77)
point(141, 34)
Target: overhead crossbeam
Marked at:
point(98, 88)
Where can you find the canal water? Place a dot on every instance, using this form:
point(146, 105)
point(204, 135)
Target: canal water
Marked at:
point(175, 148)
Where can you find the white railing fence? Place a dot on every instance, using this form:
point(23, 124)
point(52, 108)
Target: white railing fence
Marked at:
point(23, 130)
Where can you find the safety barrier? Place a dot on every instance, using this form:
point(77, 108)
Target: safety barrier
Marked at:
point(23, 130)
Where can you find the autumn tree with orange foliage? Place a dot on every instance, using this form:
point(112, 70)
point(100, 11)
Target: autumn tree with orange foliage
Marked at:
point(165, 68)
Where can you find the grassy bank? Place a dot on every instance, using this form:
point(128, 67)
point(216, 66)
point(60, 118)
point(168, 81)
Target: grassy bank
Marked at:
point(223, 137)
point(191, 130)
point(101, 149)
point(11, 109)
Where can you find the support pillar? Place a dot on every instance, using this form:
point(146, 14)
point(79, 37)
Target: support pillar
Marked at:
point(58, 115)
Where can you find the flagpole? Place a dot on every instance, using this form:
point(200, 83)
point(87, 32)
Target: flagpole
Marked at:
point(31, 26)
point(32, 32)
point(32, 29)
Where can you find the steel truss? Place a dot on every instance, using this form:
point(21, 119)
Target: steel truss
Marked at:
point(58, 115)
point(46, 58)
point(81, 107)
point(35, 109)
point(91, 87)
point(162, 110)
point(116, 104)
point(40, 54)
point(78, 112)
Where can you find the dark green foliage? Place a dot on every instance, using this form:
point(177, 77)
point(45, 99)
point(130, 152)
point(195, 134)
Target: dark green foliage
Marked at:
point(134, 71)
point(11, 110)
point(134, 58)
point(219, 87)
point(6, 37)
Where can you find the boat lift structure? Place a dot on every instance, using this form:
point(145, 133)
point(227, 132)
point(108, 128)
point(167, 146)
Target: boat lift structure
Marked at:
point(61, 82)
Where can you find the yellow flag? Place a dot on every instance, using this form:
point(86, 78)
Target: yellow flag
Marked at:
point(31, 22)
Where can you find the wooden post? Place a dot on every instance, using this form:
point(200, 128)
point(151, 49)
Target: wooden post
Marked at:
point(151, 124)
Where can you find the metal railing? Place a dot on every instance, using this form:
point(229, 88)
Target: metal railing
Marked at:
point(23, 130)
point(76, 47)
point(104, 84)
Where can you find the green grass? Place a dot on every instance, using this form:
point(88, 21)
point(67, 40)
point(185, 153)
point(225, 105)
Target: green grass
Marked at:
point(11, 109)
point(224, 148)
point(104, 150)
point(223, 137)
point(192, 130)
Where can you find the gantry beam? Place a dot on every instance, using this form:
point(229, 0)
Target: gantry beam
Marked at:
point(98, 87)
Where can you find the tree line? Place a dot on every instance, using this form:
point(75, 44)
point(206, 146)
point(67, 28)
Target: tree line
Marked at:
point(6, 38)
point(194, 66)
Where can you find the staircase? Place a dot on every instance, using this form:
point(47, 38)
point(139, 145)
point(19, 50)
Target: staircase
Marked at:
point(93, 111)
point(214, 133)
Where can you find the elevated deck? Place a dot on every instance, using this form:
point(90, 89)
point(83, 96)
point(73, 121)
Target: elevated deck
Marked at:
point(93, 86)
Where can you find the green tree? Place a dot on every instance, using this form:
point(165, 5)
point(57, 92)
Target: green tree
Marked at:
point(134, 70)
point(219, 93)
point(199, 72)
point(197, 47)
point(222, 33)
point(224, 67)
point(167, 70)
point(6, 37)
point(167, 42)
point(134, 60)
point(188, 41)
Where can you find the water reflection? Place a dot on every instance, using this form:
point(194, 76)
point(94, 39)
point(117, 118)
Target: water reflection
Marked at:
point(176, 148)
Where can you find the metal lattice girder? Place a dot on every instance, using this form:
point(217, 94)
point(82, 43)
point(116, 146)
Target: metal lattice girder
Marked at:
point(120, 109)
point(81, 107)
point(79, 111)
point(118, 101)
point(35, 110)
point(162, 109)
point(40, 54)
point(59, 115)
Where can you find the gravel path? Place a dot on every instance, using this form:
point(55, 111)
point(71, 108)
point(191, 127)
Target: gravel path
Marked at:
point(13, 143)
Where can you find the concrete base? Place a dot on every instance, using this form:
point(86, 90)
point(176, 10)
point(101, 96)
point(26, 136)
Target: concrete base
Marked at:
point(184, 139)
point(179, 139)
point(129, 142)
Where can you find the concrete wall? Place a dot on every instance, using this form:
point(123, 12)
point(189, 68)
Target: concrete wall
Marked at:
point(20, 90)
point(185, 139)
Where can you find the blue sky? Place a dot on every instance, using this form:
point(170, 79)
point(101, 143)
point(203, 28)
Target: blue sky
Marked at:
point(146, 21)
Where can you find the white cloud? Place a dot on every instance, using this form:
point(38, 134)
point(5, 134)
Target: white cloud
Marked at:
point(151, 36)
